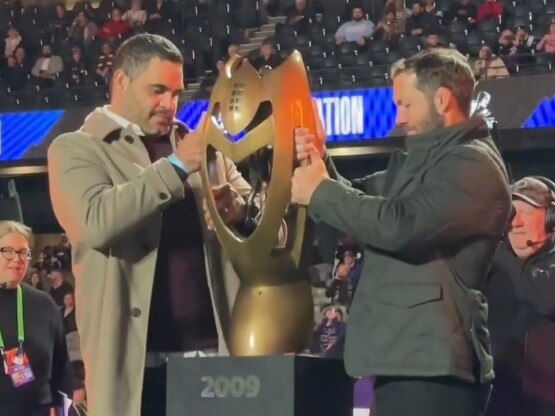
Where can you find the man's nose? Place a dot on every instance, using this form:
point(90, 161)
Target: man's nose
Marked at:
point(400, 118)
point(517, 220)
point(168, 102)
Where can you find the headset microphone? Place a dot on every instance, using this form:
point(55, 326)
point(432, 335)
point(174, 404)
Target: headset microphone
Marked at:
point(530, 243)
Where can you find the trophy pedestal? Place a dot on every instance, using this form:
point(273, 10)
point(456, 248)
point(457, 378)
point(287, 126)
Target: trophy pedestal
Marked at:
point(286, 385)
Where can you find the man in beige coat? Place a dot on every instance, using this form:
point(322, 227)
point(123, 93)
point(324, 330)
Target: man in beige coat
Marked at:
point(125, 190)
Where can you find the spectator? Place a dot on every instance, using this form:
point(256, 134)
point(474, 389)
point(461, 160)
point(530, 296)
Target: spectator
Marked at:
point(527, 40)
point(12, 41)
point(58, 28)
point(430, 7)
point(433, 41)
point(159, 12)
point(329, 331)
point(47, 67)
point(345, 279)
point(43, 349)
point(62, 251)
point(68, 313)
point(506, 43)
point(298, 17)
point(358, 30)
point(60, 287)
point(421, 23)
point(16, 74)
point(136, 16)
point(267, 56)
point(35, 280)
point(76, 70)
point(388, 27)
point(491, 9)
point(114, 28)
point(464, 11)
point(105, 62)
point(402, 13)
point(21, 57)
point(47, 262)
point(547, 42)
point(487, 66)
point(521, 53)
point(82, 30)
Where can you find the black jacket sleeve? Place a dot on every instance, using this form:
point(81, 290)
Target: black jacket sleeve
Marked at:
point(61, 379)
point(462, 196)
point(539, 283)
point(371, 184)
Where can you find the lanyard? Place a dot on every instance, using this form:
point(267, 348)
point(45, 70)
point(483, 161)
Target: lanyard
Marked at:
point(20, 325)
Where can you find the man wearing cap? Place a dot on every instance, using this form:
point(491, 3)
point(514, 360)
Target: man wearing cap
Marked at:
point(529, 233)
point(525, 331)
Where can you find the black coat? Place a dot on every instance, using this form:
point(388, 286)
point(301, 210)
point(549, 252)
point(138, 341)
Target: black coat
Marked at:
point(430, 224)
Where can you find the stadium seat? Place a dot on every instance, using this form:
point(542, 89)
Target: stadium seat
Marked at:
point(346, 59)
point(362, 59)
point(488, 25)
point(474, 43)
point(347, 79)
point(379, 75)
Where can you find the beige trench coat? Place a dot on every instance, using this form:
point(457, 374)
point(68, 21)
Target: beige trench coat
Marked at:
point(109, 198)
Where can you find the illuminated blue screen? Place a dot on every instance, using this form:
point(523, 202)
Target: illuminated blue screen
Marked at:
point(354, 115)
point(21, 131)
point(348, 115)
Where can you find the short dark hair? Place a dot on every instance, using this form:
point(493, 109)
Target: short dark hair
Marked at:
point(440, 67)
point(138, 50)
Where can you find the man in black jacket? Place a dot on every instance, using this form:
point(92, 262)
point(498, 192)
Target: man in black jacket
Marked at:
point(430, 224)
point(524, 348)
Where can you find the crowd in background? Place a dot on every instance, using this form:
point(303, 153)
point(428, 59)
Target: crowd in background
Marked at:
point(51, 272)
point(62, 53)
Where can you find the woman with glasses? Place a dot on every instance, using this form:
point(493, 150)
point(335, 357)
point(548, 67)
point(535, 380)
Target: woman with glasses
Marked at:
point(34, 366)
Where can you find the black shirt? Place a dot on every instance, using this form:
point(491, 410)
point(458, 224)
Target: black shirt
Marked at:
point(181, 316)
point(44, 345)
point(70, 325)
point(59, 293)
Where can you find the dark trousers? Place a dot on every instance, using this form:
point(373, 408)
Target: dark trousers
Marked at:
point(153, 401)
point(429, 396)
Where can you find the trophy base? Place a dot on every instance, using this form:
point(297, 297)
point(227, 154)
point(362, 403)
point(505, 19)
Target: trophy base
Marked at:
point(287, 385)
point(269, 320)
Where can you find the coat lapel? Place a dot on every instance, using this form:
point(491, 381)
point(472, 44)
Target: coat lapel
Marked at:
point(121, 140)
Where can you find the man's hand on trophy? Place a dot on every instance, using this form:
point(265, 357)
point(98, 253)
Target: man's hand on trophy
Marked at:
point(190, 148)
point(307, 178)
point(305, 140)
point(230, 206)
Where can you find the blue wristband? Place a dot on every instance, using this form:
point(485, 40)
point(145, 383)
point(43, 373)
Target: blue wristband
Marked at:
point(174, 160)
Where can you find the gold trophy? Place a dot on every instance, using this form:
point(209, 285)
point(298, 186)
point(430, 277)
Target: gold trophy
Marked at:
point(253, 117)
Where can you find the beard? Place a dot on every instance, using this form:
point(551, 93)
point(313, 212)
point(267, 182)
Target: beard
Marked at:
point(434, 120)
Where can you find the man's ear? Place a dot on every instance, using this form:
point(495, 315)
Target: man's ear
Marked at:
point(443, 99)
point(120, 80)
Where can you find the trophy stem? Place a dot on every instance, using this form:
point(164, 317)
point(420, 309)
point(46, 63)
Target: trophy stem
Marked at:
point(268, 320)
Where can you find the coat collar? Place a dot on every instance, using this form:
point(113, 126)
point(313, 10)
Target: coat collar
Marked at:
point(419, 148)
point(102, 127)
point(447, 136)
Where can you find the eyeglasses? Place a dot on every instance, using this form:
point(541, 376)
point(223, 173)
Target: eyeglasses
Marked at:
point(9, 253)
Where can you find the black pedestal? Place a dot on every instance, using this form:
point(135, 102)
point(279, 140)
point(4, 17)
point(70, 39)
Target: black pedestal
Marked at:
point(288, 385)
